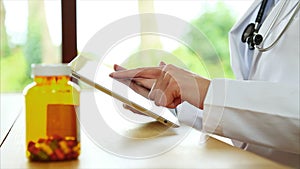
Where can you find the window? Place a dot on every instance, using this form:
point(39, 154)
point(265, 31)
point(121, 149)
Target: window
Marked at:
point(31, 32)
point(213, 18)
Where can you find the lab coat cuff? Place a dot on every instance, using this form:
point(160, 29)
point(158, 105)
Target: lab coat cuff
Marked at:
point(214, 107)
point(190, 115)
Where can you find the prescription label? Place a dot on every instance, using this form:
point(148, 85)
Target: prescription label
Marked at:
point(61, 120)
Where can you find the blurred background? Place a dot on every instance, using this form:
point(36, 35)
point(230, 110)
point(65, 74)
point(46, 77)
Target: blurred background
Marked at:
point(31, 33)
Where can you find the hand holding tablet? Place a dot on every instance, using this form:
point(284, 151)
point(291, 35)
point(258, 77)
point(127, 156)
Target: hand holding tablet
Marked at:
point(81, 71)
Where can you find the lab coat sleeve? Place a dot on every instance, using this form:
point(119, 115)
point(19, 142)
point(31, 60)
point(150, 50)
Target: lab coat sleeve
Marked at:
point(256, 112)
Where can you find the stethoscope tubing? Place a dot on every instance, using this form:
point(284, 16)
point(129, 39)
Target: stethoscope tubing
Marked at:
point(264, 49)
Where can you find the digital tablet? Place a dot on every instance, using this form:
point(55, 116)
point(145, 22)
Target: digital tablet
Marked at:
point(81, 68)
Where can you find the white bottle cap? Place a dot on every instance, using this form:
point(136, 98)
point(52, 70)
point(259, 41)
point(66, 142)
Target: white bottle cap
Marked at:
point(50, 69)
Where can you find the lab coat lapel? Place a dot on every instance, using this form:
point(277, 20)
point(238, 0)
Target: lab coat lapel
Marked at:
point(266, 25)
point(251, 9)
point(236, 51)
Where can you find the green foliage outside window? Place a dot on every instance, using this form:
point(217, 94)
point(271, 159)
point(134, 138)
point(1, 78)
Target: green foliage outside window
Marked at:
point(214, 59)
point(215, 24)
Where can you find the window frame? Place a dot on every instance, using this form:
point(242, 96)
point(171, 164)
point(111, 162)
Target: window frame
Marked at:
point(69, 31)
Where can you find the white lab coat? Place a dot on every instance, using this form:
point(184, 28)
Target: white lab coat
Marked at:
point(261, 107)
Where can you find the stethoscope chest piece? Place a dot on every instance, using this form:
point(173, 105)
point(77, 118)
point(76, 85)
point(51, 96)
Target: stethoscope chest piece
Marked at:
point(254, 39)
point(249, 30)
point(251, 36)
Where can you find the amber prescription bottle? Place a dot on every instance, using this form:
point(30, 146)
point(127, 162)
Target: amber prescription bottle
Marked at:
point(52, 102)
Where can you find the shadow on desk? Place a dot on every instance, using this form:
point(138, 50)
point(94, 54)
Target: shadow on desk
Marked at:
point(150, 130)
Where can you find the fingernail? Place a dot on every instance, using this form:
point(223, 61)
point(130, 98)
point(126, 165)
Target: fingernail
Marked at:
point(111, 74)
point(115, 66)
point(162, 63)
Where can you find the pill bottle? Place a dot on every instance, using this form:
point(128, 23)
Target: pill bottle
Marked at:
point(52, 105)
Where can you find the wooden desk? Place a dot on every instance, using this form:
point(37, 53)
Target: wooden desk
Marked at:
point(188, 154)
point(11, 105)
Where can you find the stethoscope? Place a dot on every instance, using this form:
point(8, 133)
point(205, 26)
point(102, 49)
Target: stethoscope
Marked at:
point(254, 39)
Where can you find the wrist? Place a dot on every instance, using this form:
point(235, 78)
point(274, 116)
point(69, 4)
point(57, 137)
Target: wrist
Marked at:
point(203, 85)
